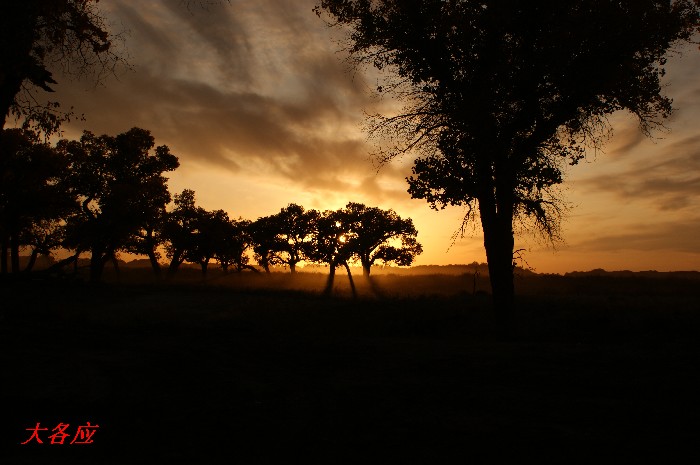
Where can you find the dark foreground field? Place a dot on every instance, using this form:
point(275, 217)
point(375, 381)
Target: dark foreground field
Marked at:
point(235, 372)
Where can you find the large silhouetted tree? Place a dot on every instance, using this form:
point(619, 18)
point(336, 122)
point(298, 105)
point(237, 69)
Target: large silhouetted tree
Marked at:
point(210, 228)
point(332, 244)
point(149, 238)
point(43, 237)
point(121, 187)
point(264, 237)
point(39, 36)
point(232, 250)
point(501, 94)
point(376, 234)
point(33, 197)
point(295, 227)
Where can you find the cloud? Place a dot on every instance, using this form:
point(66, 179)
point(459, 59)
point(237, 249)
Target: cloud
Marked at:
point(255, 92)
point(677, 236)
point(271, 97)
point(669, 178)
point(217, 29)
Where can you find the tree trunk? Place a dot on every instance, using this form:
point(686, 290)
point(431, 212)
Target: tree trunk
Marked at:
point(97, 264)
point(204, 264)
point(366, 265)
point(329, 282)
point(352, 282)
point(32, 261)
point(498, 242)
point(175, 263)
point(60, 264)
point(293, 267)
point(154, 263)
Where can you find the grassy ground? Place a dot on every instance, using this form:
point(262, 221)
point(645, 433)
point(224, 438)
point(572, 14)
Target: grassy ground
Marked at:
point(248, 370)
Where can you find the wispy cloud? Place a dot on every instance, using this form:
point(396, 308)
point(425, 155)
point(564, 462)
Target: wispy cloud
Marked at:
point(257, 90)
point(678, 236)
point(669, 177)
point(300, 122)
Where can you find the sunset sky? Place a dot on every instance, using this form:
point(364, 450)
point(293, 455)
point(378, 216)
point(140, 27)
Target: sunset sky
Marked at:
point(257, 102)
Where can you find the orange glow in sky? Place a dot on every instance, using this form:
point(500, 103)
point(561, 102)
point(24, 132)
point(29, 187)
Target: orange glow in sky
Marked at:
point(262, 112)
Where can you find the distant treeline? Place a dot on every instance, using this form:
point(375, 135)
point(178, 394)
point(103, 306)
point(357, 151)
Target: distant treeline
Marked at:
point(102, 195)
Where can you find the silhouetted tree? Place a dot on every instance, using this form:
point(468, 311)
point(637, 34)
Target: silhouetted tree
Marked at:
point(332, 246)
point(210, 230)
point(38, 35)
point(296, 227)
point(42, 237)
point(265, 241)
point(180, 228)
point(371, 232)
point(121, 187)
point(232, 249)
point(218, 237)
point(502, 94)
point(148, 239)
point(32, 194)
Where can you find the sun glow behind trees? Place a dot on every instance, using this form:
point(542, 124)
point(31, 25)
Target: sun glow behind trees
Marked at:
point(280, 80)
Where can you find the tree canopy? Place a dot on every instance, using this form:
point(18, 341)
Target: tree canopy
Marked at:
point(331, 244)
point(375, 234)
point(501, 95)
point(33, 194)
point(293, 229)
point(120, 184)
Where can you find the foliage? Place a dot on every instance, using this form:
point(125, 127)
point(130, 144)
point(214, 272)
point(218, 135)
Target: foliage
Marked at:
point(265, 241)
point(500, 95)
point(180, 228)
point(296, 227)
point(33, 198)
point(211, 229)
point(331, 240)
point(371, 232)
point(38, 35)
point(331, 244)
point(232, 249)
point(120, 183)
point(284, 238)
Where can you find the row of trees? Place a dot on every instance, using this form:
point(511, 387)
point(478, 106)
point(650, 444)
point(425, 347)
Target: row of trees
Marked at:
point(98, 194)
point(356, 233)
point(500, 95)
point(103, 195)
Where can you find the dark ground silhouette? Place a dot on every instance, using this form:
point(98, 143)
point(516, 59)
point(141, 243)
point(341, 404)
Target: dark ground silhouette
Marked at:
point(219, 373)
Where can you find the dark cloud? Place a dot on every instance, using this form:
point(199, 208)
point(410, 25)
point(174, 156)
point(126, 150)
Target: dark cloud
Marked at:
point(236, 131)
point(154, 41)
point(219, 29)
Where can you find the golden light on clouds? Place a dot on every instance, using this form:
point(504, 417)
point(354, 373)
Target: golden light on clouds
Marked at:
point(262, 111)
